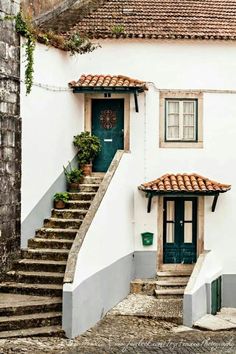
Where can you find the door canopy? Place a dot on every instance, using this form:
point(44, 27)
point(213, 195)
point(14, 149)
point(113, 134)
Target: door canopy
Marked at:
point(183, 185)
point(108, 84)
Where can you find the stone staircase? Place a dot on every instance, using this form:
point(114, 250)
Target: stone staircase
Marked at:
point(171, 284)
point(168, 290)
point(31, 293)
point(166, 285)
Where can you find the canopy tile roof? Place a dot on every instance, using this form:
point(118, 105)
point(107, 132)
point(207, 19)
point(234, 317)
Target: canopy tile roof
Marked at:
point(192, 183)
point(107, 81)
point(159, 19)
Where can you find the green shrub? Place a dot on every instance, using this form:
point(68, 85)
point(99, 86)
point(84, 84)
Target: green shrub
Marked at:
point(73, 175)
point(63, 196)
point(88, 147)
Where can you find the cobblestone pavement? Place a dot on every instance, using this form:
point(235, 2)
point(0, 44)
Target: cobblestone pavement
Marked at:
point(128, 334)
point(138, 325)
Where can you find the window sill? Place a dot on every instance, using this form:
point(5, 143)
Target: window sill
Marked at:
point(177, 145)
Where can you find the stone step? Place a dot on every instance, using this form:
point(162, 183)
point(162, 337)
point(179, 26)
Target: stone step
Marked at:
point(33, 306)
point(35, 265)
point(56, 233)
point(49, 331)
point(89, 187)
point(69, 213)
point(50, 243)
point(82, 196)
point(92, 179)
point(34, 277)
point(30, 321)
point(78, 204)
point(169, 293)
point(175, 273)
point(31, 289)
point(62, 223)
point(98, 174)
point(143, 286)
point(177, 279)
point(45, 254)
point(172, 282)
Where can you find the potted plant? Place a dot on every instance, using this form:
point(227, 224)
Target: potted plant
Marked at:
point(73, 177)
point(60, 200)
point(88, 147)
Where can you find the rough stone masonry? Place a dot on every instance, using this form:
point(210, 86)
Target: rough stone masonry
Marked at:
point(10, 134)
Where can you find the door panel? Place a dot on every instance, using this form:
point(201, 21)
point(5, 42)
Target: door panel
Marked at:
point(108, 125)
point(180, 230)
point(216, 296)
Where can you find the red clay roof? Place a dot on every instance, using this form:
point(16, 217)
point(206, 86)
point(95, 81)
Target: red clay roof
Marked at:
point(164, 19)
point(107, 81)
point(184, 183)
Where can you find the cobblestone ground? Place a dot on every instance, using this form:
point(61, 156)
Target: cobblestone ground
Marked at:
point(128, 334)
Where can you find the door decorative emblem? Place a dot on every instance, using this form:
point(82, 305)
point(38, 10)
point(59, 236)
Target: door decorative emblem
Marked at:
point(108, 119)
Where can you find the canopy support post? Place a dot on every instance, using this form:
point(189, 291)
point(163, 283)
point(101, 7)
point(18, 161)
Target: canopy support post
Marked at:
point(149, 205)
point(136, 101)
point(214, 202)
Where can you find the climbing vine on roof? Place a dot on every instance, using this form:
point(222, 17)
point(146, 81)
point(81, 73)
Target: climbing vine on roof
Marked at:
point(75, 44)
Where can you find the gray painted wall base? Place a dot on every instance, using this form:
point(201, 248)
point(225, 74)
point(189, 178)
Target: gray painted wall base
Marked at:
point(145, 264)
point(194, 306)
point(199, 304)
point(42, 209)
point(229, 290)
point(90, 301)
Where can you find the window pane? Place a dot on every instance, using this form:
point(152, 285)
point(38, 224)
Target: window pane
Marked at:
point(188, 210)
point(173, 107)
point(188, 233)
point(170, 232)
point(189, 119)
point(188, 133)
point(173, 133)
point(188, 107)
point(170, 212)
point(173, 120)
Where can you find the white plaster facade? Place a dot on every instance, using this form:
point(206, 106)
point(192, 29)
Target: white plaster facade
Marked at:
point(181, 65)
point(49, 121)
point(205, 66)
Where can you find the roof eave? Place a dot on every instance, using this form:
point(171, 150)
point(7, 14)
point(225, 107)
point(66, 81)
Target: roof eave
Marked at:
point(109, 89)
point(182, 193)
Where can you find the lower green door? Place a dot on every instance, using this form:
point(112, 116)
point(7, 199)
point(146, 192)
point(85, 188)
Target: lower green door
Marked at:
point(108, 125)
point(180, 230)
point(216, 296)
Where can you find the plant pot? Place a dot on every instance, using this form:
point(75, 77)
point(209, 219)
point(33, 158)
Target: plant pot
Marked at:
point(74, 187)
point(87, 169)
point(59, 204)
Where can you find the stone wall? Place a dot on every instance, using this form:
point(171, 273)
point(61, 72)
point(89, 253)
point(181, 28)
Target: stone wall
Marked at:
point(37, 7)
point(10, 135)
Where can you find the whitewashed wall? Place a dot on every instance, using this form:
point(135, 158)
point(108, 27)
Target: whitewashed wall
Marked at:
point(110, 235)
point(49, 121)
point(185, 65)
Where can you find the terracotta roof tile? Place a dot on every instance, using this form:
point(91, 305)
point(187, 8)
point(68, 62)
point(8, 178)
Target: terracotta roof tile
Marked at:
point(107, 81)
point(184, 183)
point(160, 19)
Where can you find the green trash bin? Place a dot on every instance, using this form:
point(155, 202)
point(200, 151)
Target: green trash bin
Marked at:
point(147, 238)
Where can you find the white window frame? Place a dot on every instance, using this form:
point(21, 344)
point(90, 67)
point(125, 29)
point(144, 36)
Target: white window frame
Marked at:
point(176, 95)
point(181, 119)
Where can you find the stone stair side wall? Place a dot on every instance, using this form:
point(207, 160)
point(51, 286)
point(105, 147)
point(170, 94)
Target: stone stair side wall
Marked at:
point(104, 261)
point(197, 295)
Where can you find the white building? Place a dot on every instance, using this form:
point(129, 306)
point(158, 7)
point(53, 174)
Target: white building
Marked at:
point(177, 117)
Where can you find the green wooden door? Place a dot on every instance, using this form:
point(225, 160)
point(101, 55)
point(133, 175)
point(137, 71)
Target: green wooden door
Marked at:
point(108, 125)
point(216, 296)
point(180, 230)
